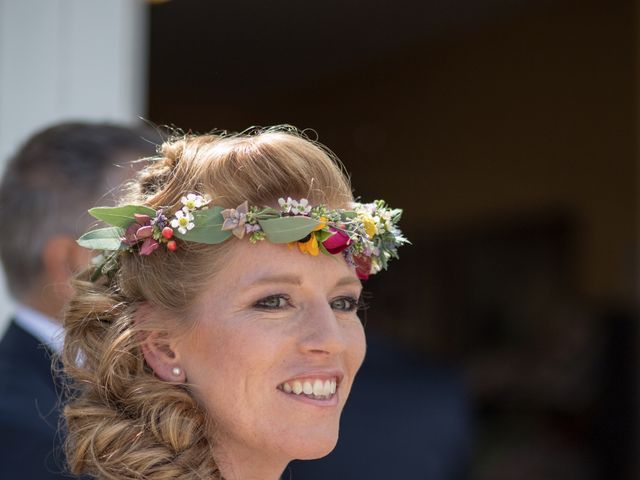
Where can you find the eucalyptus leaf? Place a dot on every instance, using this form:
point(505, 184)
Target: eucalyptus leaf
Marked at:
point(121, 216)
point(268, 212)
point(288, 229)
point(208, 227)
point(109, 238)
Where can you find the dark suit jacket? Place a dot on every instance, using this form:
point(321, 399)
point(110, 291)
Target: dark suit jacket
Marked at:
point(405, 419)
point(29, 414)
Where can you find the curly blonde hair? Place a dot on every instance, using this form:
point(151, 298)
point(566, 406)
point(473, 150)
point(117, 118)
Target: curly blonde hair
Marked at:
point(123, 422)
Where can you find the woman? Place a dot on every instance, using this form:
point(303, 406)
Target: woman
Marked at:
point(216, 335)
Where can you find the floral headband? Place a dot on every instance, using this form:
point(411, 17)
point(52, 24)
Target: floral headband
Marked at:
point(367, 235)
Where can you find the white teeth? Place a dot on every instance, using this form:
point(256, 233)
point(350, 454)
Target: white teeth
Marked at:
point(318, 388)
point(315, 388)
point(326, 390)
point(297, 387)
point(307, 388)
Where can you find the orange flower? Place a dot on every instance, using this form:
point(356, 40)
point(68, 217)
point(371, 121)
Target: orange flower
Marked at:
point(310, 246)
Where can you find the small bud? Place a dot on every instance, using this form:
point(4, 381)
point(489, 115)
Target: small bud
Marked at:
point(167, 232)
point(172, 245)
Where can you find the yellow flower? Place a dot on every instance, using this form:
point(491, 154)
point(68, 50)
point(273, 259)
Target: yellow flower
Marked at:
point(310, 246)
point(323, 223)
point(369, 225)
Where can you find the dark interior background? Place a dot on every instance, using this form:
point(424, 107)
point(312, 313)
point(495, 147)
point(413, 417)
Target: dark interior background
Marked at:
point(506, 130)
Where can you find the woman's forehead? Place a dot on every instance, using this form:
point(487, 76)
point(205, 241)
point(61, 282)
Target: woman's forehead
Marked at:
point(248, 265)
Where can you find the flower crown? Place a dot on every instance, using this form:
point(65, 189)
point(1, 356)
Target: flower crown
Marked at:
point(366, 235)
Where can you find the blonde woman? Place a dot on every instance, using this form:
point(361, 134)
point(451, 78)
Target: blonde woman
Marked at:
point(217, 335)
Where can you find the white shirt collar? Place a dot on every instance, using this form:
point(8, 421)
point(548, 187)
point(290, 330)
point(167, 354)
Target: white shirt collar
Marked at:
point(44, 328)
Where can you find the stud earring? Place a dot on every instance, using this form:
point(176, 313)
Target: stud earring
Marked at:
point(177, 371)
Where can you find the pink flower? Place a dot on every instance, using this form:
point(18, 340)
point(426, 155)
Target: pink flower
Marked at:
point(148, 246)
point(142, 219)
point(130, 234)
point(235, 219)
point(337, 242)
point(144, 232)
point(138, 230)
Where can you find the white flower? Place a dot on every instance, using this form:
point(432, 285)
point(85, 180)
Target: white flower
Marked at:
point(193, 201)
point(301, 207)
point(376, 266)
point(183, 221)
point(365, 208)
point(252, 228)
point(285, 205)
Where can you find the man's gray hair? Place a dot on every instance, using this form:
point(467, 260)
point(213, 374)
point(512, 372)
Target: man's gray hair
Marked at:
point(50, 183)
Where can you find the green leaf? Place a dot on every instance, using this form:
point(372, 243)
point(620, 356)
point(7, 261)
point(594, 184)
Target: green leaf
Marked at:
point(288, 229)
point(121, 216)
point(208, 227)
point(109, 238)
point(105, 267)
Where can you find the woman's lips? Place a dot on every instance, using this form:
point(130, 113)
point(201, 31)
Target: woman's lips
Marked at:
point(316, 387)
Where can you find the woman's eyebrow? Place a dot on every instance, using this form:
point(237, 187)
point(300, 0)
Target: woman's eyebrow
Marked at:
point(348, 281)
point(283, 278)
point(296, 280)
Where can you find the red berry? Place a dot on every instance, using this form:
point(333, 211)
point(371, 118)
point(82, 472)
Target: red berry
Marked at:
point(172, 245)
point(167, 232)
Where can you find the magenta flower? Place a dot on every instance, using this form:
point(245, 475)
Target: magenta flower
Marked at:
point(363, 266)
point(337, 242)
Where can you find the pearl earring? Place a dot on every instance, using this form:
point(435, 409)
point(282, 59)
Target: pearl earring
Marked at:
point(176, 371)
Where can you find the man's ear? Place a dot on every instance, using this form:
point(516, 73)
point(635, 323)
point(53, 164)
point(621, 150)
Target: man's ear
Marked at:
point(62, 257)
point(158, 351)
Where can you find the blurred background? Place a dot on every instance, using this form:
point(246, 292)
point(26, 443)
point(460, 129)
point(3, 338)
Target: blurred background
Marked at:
point(506, 129)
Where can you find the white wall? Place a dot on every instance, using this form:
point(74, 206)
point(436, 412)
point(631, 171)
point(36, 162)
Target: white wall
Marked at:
point(64, 60)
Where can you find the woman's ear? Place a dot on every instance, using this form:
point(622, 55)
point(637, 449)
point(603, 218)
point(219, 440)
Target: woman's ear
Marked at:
point(157, 349)
point(161, 358)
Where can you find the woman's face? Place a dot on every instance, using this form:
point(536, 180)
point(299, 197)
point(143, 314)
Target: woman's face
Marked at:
point(274, 352)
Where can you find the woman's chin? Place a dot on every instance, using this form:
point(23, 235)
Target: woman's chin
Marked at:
point(312, 450)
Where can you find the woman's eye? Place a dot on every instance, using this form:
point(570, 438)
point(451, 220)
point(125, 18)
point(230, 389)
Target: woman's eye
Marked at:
point(273, 302)
point(346, 304)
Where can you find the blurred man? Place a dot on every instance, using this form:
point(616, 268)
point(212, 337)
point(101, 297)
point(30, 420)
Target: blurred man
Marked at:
point(46, 190)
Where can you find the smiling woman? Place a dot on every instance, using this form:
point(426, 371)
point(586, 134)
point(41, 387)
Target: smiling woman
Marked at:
point(216, 335)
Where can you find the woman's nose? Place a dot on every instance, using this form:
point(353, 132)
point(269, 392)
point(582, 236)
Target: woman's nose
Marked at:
point(321, 331)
